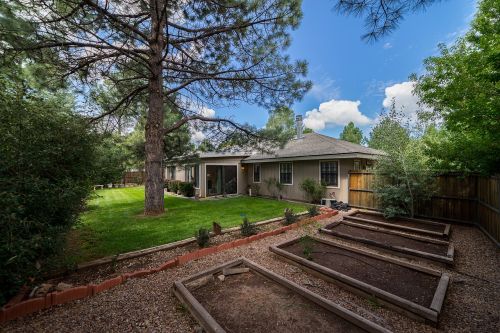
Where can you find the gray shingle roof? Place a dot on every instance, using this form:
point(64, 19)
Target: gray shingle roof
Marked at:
point(224, 154)
point(314, 144)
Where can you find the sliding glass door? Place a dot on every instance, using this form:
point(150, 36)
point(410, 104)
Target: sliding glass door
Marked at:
point(221, 179)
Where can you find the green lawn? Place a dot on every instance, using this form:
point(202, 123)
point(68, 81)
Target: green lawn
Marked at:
point(114, 222)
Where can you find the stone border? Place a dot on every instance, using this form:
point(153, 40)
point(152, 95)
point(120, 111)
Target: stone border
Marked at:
point(447, 259)
point(446, 226)
point(16, 308)
point(164, 247)
point(211, 325)
point(413, 310)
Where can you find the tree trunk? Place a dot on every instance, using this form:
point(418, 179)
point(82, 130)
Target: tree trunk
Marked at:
point(154, 203)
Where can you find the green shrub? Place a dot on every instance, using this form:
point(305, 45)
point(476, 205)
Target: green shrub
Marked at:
point(307, 247)
point(313, 211)
point(46, 170)
point(172, 185)
point(290, 216)
point(313, 189)
point(202, 236)
point(248, 228)
point(187, 189)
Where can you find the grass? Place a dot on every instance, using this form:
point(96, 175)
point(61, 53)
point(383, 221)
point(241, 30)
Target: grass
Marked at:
point(114, 222)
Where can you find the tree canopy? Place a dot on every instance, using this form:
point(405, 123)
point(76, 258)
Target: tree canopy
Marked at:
point(190, 54)
point(461, 86)
point(351, 133)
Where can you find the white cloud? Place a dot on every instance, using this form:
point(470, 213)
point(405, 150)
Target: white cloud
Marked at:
point(387, 46)
point(206, 112)
point(404, 99)
point(335, 112)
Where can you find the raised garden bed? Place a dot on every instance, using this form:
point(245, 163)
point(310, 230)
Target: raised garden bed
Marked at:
point(261, 301)
point(424, 247)
point(415, 291)
point(425, 227)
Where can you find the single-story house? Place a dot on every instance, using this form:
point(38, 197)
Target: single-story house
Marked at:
point(316, 156)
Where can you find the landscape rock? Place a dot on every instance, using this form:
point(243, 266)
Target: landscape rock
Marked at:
point(63, 286)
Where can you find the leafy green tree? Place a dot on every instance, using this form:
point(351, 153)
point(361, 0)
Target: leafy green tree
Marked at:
point(402, 176)
point(385, 132)
point(351, 133)
point(46, 170)
point(191, 53)
point(461, 86)
point(111, 157)
point(282, 120)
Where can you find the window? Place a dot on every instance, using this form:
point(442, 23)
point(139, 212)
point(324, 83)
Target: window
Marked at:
point(357, 165)
point(171, 172)
point(256, 173)
point(286, 171)
point(329, 173)
point(192, 174)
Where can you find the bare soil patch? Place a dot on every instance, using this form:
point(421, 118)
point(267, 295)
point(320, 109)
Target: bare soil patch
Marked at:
point(404, 282)
point(390, 239)
point(400, 221)
point(251, 303)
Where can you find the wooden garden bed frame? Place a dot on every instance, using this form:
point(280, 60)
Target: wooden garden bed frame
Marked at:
point(210, 324)
point(392, 225)
point(411, 309)
point(447, 259)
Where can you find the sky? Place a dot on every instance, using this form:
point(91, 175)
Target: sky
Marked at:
point(354, 80)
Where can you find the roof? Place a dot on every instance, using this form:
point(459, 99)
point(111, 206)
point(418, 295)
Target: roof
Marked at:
point(224, 154)
point(314, 145)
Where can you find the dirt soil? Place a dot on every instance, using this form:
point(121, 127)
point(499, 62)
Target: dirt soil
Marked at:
point(390, 239)
point(382, 274)
point(250, 303)
point(472, 303)
point(399, 221)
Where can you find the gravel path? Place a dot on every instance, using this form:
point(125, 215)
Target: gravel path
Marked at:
point(147, 305)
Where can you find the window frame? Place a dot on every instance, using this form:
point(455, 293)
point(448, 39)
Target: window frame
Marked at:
point(170, 175)
point(291, 173)
point(260, 172)
point(190, 169)
point(338, 172)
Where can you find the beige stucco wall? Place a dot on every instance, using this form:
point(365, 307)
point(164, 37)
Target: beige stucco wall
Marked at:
point(240, 171)
point(201, 191)
point(302, 170)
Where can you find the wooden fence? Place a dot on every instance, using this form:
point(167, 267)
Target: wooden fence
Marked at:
point(466, 199)
point(134, 177)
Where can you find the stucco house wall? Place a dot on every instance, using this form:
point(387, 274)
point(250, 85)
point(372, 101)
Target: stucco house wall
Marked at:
point(300, 171)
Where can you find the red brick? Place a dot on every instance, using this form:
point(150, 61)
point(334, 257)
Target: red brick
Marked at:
point(240, 242)
point(206, 251)
point(91, 289)
point(69, 295)
point(23, 308)
point(168, 264)
point(224, 246)
point(253, 238)
point(138, 274)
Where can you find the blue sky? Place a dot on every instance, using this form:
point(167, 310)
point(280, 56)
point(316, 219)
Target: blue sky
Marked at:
point(355, 74)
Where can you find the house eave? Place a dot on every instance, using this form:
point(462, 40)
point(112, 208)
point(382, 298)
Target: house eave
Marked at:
point(311, 157)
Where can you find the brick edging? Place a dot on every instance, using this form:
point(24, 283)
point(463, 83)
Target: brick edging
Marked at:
point(13, 310)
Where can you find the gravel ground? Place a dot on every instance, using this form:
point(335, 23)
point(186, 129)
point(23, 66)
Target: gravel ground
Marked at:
point(148, 305)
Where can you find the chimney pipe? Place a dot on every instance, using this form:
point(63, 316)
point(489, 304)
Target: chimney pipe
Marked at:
point(299, 126)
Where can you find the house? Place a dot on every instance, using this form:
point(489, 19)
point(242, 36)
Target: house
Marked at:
point(316, 156)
